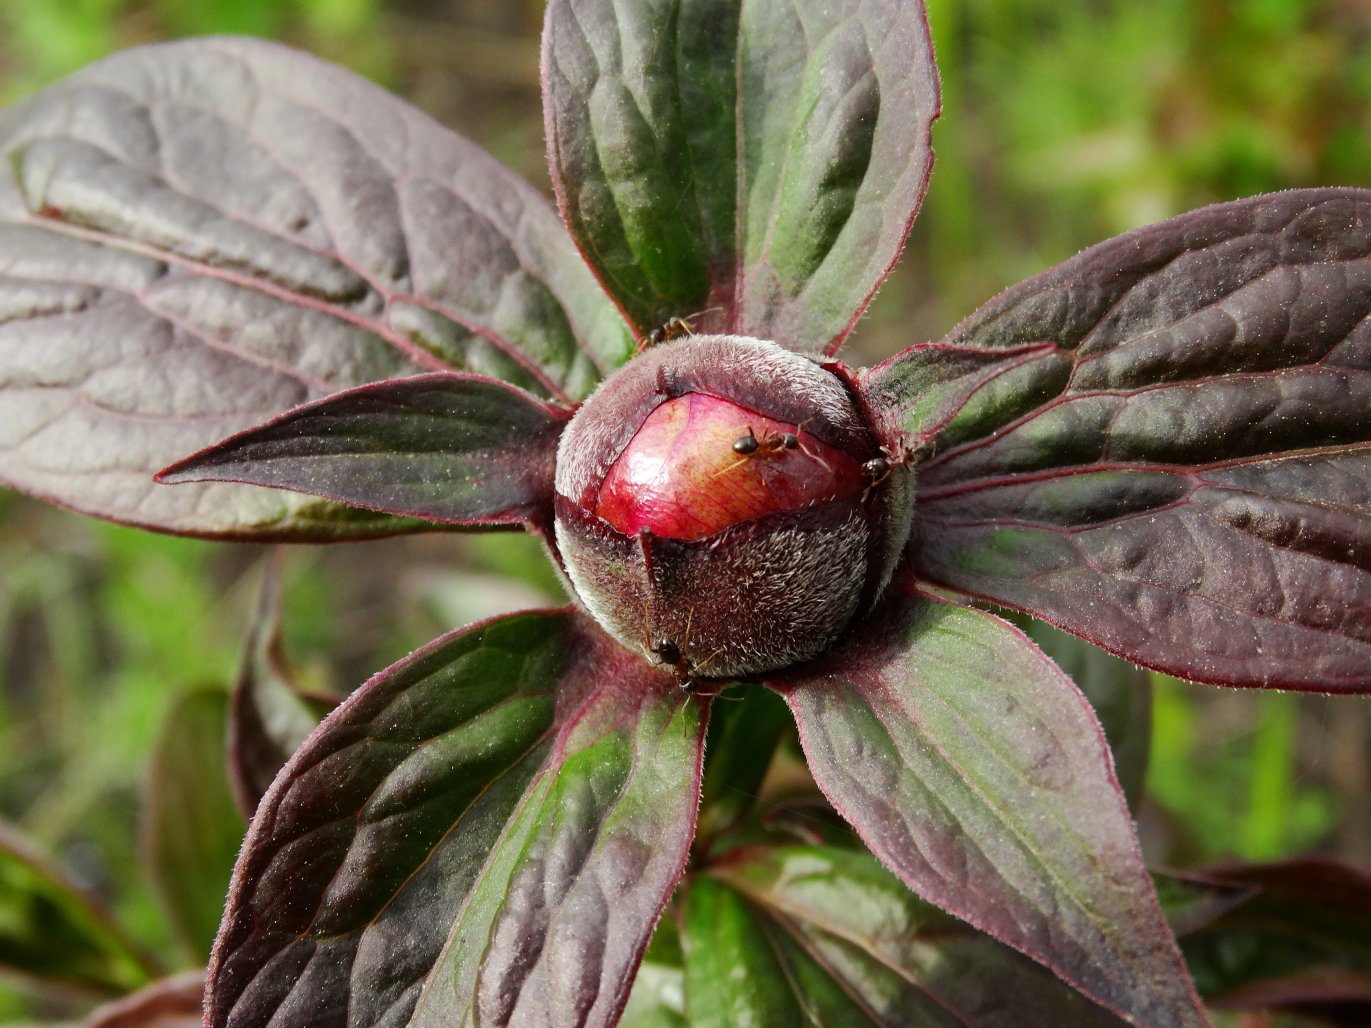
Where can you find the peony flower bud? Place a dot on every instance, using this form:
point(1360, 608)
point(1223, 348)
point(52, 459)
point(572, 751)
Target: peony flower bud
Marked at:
point(722, 507)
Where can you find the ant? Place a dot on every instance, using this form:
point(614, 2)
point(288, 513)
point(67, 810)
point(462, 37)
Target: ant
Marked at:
point(674, 327)
point(672, 654)
point(751, 446)
point(772, 442)
point(668, 652)
point(878, 469)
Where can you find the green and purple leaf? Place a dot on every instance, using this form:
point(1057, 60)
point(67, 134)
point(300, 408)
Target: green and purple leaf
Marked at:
point(201, 235)
point(450, 448)
point(1121, 694)
point(488, 830)
point(977, 772)
point(744, 969)
point(772, 932)
point(1188, 482)
point(752, 167)
point(191, 827)
point(911, 396)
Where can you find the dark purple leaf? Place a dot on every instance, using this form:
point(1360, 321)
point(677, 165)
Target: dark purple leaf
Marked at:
point(976, 771)
point(451, 448)
point(860, 934)
point(1300, 943)
point(167, 1003)
point(487, 830)
point(197, 236)
point(56, 937)
point(191, 827)
point(1188, 483)
point(269, 715)
point(749, 167)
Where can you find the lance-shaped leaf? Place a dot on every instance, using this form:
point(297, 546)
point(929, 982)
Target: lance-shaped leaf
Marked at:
point(837, 917)
point(1188, 483)
point(197, 236)
point(191, 828)
point(976, 771)
point(486, 831)
point(459, 449)
point(757, 164)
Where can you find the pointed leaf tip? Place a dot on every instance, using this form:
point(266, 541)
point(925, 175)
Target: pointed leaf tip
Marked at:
point(452, 448)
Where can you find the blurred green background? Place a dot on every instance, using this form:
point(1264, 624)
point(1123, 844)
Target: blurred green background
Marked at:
point(1064, 123)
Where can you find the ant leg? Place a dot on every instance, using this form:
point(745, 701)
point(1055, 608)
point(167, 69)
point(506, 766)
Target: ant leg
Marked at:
point(799, 441)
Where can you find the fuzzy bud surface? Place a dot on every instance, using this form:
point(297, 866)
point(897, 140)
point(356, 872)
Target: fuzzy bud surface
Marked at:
point(713, 511)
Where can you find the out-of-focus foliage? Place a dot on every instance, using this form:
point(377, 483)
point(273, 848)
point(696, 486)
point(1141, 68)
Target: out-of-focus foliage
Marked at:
point(1065, 124)
point(1068, 123)
point(40, 42)
point(1233, 782)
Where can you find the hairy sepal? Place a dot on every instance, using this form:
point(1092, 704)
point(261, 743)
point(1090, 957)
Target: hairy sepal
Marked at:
point(775, 586)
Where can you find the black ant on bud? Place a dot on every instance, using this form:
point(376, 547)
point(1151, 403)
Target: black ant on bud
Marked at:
point(772, 442)
point(672, 654)
point(878, 469)
point(668, 652)
point(673, 328)
point(751, 446)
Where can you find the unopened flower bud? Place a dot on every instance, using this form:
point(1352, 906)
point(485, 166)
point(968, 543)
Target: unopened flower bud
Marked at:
point(717, 511)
